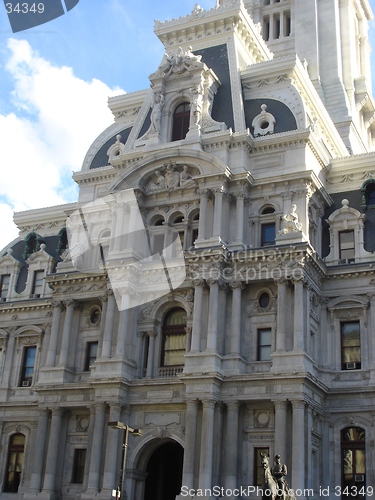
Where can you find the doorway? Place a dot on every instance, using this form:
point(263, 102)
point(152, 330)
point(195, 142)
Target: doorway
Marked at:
point(164, 469)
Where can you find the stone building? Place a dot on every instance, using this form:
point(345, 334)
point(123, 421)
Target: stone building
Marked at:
point(253, 147)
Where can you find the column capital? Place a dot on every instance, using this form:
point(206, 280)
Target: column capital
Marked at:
point(100, 407)
point(298, 404)
point(281, 281)
point(198, 282)
point(232, 405)
point(191, 404)
point(57, 412)
point(298, 280)
point(71, 303)
point(216, 281)
point(233, 285)
point(280, 404)
point(57, 304)
point(151, 333)
point(208, 403)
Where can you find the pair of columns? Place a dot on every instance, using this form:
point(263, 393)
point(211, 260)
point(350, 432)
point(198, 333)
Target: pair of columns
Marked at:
point(218, 213)
point(231, 444)
point(207, 444)
point(47, 484)
point(107, 330)
point(213, 315)
point(298, 315)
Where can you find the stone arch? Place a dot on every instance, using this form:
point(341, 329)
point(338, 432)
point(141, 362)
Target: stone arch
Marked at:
point(134, 175)
point(168, 302)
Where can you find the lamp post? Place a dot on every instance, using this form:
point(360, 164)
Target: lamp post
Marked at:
point(120, 492)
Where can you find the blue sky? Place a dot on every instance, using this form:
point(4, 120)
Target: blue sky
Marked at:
point(55, 80)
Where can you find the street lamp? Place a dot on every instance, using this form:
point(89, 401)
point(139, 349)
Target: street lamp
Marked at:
point(136, 432)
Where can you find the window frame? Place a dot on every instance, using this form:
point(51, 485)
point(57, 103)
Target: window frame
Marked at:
point(261, 346)
point(171, 330)
point(78, 470)
point(344, 363)
point(180, 130)
point(352, 445)
point(350, 260)
point(258, 466)
point(27, 381)
point(88, 355)
point(16, 449)
point(263, 241)
point(38, 275)
point(4, 292)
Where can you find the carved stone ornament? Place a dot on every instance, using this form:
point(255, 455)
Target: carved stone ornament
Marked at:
point(290, 222)
point(170, 177)
point(263, 123)
point(178, 63)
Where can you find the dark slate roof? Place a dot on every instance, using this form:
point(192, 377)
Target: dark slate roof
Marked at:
point(284, 118)
point(355, 201)
point(18, 248)
point(216, 58)
point(101, 158)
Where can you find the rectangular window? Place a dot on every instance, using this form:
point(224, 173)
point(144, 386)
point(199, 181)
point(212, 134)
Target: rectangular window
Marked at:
point(264, 344)
point(28, 366)
point(346, 242)
point(91, 354)
point(258, 468)
point(37, 289)
point(350, 346)
point(268, 234)
point(78, 466)
point(4, 286)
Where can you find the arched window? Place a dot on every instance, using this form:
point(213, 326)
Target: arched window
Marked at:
point(181, 120)
point(15, 463)
point(353, 459)
point(174, 338)
point(32, 244)
point(268, 229)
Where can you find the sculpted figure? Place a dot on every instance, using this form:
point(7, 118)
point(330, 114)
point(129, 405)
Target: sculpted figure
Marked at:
point(279, 471)
point(172, 177)
point(197, 104)
point(156, 112)
point(185, 177)
point(291, 221)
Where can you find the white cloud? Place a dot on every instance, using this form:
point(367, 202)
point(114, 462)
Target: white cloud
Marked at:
point(56, 117)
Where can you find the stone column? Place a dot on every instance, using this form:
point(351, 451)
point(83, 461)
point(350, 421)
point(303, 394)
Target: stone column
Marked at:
point(123, 327)
point(299, 315)
point(218, 213)
point(206, 454)
point(188, 330)
point(298, 445)
point(197, 315)
point(188, 470)
point(235, 341)
point(151, 352)
point(309, 471)
point(231, 451)
point(68, 322)
point(108, 328)
point(280, 428)
point(202, 228)
point(141, 353)
point(49, 483)
point(281, 315)
point(38, 456)
point(240, 197)
point(52, 347)
point(213, 310)
point(114, 437)
point(96, 449)
point(121, 210)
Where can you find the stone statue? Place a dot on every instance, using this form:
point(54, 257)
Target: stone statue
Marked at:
point(172, 177)
point(156, 112)
point(291, 221)
point(182, 61)
point(185, 178)
point(197, 104)
point(279, 471)
point(275, 485)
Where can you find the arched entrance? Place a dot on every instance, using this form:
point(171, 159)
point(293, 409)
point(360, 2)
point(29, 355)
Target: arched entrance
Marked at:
point(164, 472)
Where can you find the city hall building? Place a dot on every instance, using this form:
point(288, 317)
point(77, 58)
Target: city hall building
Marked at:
point(214, 284)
